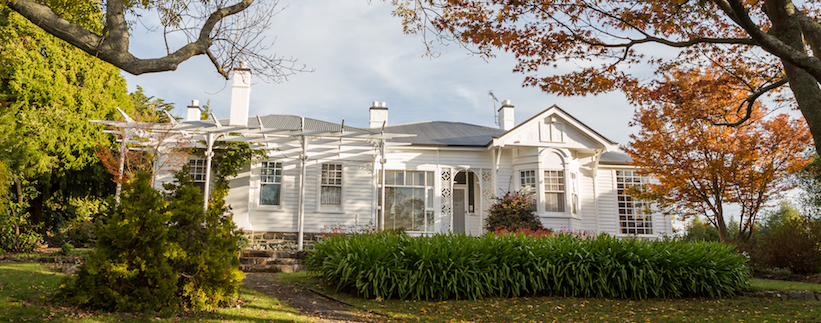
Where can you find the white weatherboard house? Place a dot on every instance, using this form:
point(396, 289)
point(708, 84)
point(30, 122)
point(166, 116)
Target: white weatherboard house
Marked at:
point(437, 176)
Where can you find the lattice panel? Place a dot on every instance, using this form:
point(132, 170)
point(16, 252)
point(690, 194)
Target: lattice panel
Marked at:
point(488, 194)
point(446, 183)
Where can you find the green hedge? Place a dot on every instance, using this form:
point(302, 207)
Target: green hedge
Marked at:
point(462, 267)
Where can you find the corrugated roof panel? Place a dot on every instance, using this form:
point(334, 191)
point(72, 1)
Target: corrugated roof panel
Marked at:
point(615, 158)
point(443, 133)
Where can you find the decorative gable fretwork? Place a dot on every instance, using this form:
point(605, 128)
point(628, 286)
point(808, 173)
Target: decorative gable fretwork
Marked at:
point(552, 130)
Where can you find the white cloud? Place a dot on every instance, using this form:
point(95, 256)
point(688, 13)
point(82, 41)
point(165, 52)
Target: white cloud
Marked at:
point(360, 55)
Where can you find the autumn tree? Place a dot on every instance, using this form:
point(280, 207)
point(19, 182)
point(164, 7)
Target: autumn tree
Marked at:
point(226, 31)
point(579, 47)
point(701, 167)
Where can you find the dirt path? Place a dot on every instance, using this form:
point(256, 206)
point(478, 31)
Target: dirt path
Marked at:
point(307, 302)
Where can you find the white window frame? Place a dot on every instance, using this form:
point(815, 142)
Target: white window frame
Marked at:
point(320, 176)
point(197, 172)
point(561, 188)
point(262, 180)
point(430, 195)
point(528, 185)
point(630, 211)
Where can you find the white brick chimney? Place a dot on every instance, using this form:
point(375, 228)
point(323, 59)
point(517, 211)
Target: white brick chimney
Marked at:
point(506, 121)
point(240, 96)
point(379, 114)
point(194, 112)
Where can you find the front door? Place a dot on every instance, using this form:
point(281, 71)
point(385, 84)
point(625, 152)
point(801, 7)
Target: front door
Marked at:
point(459, 210)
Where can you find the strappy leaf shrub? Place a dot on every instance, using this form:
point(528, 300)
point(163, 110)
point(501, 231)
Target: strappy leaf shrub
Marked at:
point(461, 267)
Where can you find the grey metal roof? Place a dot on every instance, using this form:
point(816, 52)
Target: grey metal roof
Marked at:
point(444, 133)
point(292, 122)
point(615, 158)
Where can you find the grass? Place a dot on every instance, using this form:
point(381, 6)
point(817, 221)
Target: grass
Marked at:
point(779, 285)
point(25, 289)
point(568, 309)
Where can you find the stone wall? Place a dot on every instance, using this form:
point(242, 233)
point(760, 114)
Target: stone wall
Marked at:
point(267, 240)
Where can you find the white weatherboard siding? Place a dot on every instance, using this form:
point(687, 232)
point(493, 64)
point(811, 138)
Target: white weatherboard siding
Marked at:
point(587, 200)
point(551, 141)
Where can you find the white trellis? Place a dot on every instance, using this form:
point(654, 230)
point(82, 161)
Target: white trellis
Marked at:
point(205, 133)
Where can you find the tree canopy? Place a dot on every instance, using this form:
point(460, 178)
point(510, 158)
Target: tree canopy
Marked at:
point(226, 31)
point(48, 92)
point(701, 167)
point(578, 47)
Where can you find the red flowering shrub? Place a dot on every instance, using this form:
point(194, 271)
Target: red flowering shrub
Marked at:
point(528, 232)
point(512, 212)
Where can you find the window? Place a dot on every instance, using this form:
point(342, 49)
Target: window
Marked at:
point(409, 200)
point(633, 215)
point(527, 186)
point(554, 191)
point(331, 185)
point(197, 172)
point(270, 183)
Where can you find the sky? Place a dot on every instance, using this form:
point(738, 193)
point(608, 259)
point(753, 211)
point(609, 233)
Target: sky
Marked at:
point(359, 54)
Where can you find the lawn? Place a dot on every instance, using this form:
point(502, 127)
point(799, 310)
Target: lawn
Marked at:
point(24, 290)
point(25, 287)
point(561, 309)
point(769, 284)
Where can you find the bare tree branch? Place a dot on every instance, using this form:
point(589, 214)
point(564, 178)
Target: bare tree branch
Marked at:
point(113, 45)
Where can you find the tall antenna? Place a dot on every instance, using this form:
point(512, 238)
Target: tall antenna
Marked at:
point(495, 111)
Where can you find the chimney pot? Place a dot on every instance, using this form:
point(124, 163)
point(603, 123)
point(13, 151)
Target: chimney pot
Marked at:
point(378, 114)
point(240, 96)
point(506, 121)
point(194, 112)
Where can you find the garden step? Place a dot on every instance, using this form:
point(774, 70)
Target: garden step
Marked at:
point(271, 268)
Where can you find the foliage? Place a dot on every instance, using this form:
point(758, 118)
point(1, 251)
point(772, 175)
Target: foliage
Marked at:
point(699, 231)
point(794, 244)
point(48, 93)
point(160, 252)
point(461, 267)
point(700, 167)
point(590, 47)
point(512, 212)
point(528, 232)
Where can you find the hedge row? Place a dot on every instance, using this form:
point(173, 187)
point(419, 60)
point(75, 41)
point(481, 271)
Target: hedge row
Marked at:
point(462, 267)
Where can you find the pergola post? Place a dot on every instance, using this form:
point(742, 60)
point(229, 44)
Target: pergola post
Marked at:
point(303, 161)
point(121, 169)
point(209, 155)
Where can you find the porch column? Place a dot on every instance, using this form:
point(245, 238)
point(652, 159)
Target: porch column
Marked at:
point(382, 190)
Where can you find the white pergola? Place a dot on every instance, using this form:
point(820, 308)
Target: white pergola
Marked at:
point(205, 133)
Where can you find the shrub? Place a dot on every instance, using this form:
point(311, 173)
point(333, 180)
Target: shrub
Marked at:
point(512, 212)
point(535, 233)
point(462, 267)
point(795, 244)
point(160, 252)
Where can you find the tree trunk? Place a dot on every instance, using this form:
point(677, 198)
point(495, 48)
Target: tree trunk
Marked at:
point(36, 212)
point(803, 85)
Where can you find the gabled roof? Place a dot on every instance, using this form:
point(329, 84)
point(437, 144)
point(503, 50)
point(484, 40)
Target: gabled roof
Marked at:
point(444, 133)
point(555, 110)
